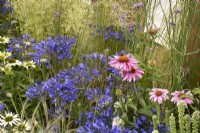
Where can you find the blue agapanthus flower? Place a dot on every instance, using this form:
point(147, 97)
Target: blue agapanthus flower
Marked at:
point(52, 49)
point(80, 75)
point(5, 7)
point(57, 89)
point(35, 92)
point(20, 45)
point(2, 107)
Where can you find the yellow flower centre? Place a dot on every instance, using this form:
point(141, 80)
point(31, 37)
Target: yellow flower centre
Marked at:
point(11, 60)
point(8, 118)
point(159, 93)
point(132, 70)
point(21, 127)
point(123, 58)
point(1, 40)
point(152, 31)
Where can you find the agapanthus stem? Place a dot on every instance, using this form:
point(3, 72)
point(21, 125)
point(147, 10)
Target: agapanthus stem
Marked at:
point(70, 109)
point(44, 104)
point(95, 111)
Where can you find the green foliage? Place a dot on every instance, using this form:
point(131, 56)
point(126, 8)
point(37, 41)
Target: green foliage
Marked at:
point(172, 124)
point(155, 122)
point(52, 17)
point(195, 122)
point(181, 111)
point(187, 123)
point(167, 64)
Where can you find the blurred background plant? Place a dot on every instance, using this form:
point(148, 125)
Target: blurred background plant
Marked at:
point(63, 46)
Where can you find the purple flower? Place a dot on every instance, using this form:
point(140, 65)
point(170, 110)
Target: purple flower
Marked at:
point(138, 6)
point(57, 14)
point(94, 93)
point(130, 26)
point(2, 107)
point(115, 7)
point(60, 45)
point(35, 92)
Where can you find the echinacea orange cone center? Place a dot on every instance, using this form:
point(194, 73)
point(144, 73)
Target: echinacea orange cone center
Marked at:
point(132, 70)
point(159, 93)
point(152, 31)
point(180, 94)
point(123, 58)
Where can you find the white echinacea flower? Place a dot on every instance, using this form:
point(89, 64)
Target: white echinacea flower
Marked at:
point(117, 122)
point(13, 62)
point(28, 64)
point(4, 55)
point(22, 127)
point(9, 119)
point(4, 40)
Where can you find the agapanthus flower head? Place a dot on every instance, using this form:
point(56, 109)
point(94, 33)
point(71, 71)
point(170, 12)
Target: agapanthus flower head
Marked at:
point(133, 74)
point(2, 107)
point(182, 96)
point(159, 95)
point(59, 46)
point(123, 62)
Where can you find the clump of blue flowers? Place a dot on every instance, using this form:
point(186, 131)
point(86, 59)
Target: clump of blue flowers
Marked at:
point(7, 21)
point(59, 89)
point(20, 46)
point(53, 50)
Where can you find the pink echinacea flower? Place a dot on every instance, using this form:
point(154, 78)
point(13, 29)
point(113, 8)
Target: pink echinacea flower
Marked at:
point(133, 74)
point(159, 95)
point(182, 96)
point(123, 62)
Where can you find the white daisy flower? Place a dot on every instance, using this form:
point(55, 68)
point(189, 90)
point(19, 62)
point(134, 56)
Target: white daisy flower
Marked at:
point(2, 130)
point(4, 40)
point(18, 46)
point(22, 127)
point(28, 64)
point(4, 55)
point(43, 60)
point(27, 43)
point(13, 62)
point(9, 119)
point(7, 70)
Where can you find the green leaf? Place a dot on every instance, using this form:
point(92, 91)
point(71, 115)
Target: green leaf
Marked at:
point(132, 107)
point(118, 92)
point(125, 117)
point(143, 103)
point(145, 111)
